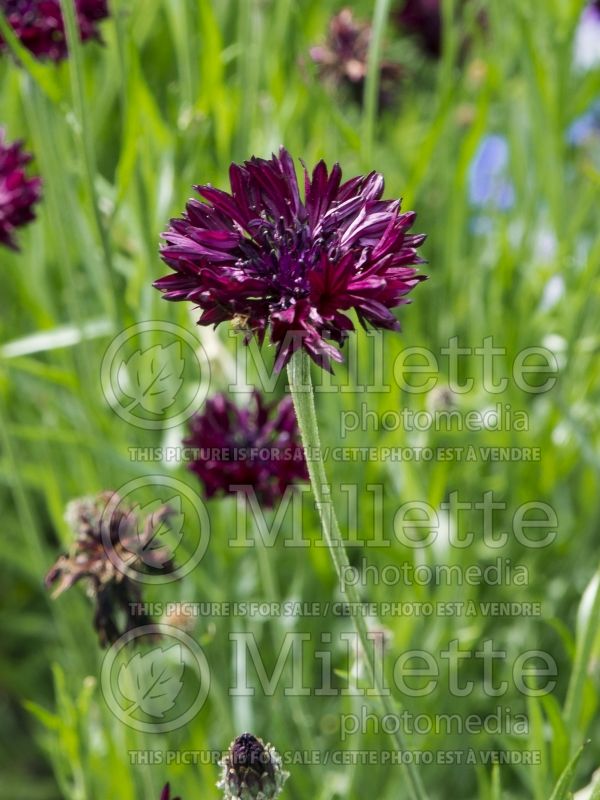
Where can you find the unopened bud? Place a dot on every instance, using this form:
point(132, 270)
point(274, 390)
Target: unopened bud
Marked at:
point(251, 770)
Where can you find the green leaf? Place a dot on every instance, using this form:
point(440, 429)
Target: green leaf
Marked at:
point(588, 622)
point(496, 793)
point(47, 718)
point(538, 772)
point(561, 790)
point(560, 735)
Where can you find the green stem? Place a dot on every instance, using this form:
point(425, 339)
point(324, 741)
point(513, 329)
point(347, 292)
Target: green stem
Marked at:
point(303, 396)
point(270, 586)
point(267, 574)
point(373, 80)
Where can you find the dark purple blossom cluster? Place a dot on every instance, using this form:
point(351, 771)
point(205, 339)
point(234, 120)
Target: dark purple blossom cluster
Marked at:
point(343, 59)
point(256, 447)
point(269, 260)
point(40, 27)
point(18, 193)
point(423, 20)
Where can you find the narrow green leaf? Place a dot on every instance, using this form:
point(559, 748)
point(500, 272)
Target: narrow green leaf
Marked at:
point(561, 790)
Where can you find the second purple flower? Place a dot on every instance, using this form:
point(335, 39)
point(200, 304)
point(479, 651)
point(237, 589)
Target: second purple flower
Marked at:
point(18, 193)
point(270, 260)
point(40, 26)
point(256, 447)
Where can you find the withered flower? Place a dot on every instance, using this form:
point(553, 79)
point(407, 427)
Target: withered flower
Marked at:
point(343, 59)
point(112, 541)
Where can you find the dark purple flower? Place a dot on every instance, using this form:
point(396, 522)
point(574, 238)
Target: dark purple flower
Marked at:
point(40, 26)
point(166, 793)
point(99, 523)
point(423, 20)
point(343, 59)
point(18, 193)
point(251, 770)
point(267, 258)
point(256, 446)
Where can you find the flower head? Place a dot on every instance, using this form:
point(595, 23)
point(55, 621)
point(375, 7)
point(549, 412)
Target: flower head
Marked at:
point(102, 524)
point(251, 770)
point(489, 184)
point(18, 193)
point(585, 128)
point(40, 26)
point(269, 260)
point(343, 59)
point(587, 38)
point(423, 20)
point(256, 447)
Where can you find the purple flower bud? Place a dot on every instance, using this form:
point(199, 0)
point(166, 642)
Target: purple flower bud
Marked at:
point(166, 793)
point(251, 770)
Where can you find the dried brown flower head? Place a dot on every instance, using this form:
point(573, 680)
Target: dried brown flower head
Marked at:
point(111, 541)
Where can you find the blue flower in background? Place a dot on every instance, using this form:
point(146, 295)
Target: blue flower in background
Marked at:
point(585, 127)
point(587, 39)
point(489, 184)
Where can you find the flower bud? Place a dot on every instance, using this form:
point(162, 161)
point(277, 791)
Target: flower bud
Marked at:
point(251, 770)
point(166, 793)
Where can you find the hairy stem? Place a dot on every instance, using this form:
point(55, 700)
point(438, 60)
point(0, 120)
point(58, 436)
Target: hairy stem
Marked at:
point(303, 396)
